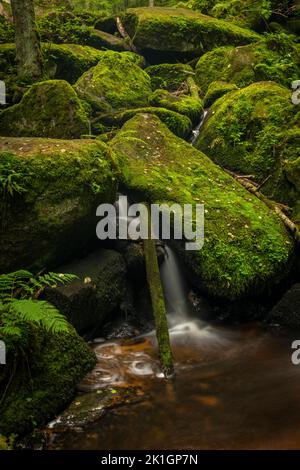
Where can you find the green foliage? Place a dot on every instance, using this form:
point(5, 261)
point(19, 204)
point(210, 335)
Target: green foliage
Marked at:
point(7, 33)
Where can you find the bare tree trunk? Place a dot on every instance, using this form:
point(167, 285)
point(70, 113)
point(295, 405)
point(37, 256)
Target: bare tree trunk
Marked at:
point(29, 58)
point(151, 3)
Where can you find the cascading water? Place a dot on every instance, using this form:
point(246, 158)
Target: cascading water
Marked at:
point(196, 131)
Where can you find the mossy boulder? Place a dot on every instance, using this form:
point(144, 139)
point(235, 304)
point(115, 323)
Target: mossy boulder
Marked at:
point(181, 103)
point(45, 381)
point(69, 61)
point(177, 32)
point(216, 90)
point(251, 131)
point(72, 27)
point(246, 247)
point(274, 58)
point(98, 291)
point(178, 124)
point(169, 76)
point(50, 190)
point(116, 82)
point(47, 109)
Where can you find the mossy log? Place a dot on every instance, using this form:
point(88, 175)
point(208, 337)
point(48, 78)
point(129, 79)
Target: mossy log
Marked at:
point(159, 309)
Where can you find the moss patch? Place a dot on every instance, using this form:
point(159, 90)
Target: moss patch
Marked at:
point(48, 109)
point(182, 104)
point(116, 82)
point(56, 188)
point(216, 90)
point(246, 246)
point(178, 124)
point(169, 76)
point(251, 131)
point(274, 58)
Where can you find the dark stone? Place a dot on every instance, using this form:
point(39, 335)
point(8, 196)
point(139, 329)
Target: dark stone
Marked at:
point(99, 290)
point(287, 311)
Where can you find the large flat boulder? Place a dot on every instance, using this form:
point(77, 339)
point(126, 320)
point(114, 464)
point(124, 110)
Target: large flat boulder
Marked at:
point(50, 190)
point(179, 32)
point(246, 249)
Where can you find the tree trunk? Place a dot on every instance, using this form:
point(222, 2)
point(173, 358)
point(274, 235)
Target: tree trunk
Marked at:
point(158, 307)
point(29, 58)
point(151, 3)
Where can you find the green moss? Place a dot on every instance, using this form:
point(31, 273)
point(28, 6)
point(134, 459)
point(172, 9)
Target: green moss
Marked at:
point(182, 104)
point(178, 124)
point(63, 182)
point(169, 76)
point(181, 31)
point(251, 131)
point(7, 33)
point(44, 381)
point(116, 82)
point(48, 109)
point(274, 58)
point(216, 90)
point(69, 61)
point(246, 246)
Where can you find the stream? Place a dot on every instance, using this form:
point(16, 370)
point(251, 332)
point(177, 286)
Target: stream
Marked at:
point(235, 387)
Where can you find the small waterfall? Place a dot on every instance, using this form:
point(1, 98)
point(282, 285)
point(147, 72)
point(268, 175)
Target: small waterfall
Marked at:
point(196, 131)
point(175, 289)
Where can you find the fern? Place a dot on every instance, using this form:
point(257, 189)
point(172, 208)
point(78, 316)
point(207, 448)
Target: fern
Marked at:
point(23, 284)
point(42, 313)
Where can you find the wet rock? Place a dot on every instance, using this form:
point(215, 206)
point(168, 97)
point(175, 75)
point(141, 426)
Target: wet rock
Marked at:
point(51, 214)
point(88, 408)
point(100, 289)
point(287, 311)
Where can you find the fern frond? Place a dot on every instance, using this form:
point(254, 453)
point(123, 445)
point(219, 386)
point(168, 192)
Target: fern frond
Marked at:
point(41, 312)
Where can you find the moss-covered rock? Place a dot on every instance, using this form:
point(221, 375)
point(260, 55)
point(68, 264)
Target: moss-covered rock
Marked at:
point(182, 104)
point(50, 190)
point(246, 248)
point(274, 58)
point(98, 291)
point(44, 382)
point(68, 61)
point(178, 124)
point(251, 131)
point(216, 90)
point(116, 82)
point(169, 76)
point(178, 32)
point(48, 109)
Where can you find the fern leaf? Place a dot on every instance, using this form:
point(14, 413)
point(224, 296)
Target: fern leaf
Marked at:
point(41, 312)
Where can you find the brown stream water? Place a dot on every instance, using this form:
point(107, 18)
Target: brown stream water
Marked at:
point(235, 388)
